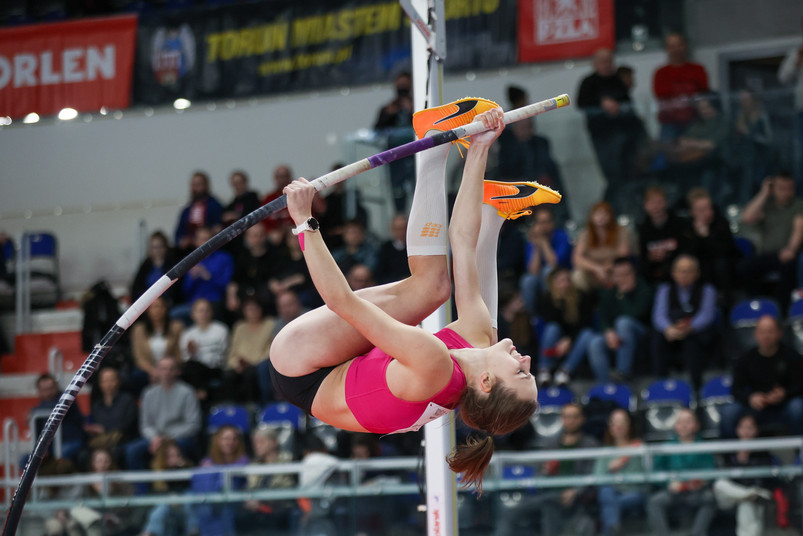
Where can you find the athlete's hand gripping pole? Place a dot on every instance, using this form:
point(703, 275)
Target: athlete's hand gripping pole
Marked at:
point(225, 236)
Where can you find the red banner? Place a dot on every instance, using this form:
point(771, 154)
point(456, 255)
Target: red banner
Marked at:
point(560, 29)
point(85, 64)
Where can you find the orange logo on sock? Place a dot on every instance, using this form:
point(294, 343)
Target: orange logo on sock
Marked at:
point(431, 230)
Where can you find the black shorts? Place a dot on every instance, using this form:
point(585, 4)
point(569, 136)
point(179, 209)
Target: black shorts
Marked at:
point(300, 390)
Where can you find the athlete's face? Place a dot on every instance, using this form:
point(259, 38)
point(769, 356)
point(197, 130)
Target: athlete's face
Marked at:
point(507, 365)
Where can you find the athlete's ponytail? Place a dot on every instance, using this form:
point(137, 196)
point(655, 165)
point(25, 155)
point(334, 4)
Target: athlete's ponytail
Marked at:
point(496, 413)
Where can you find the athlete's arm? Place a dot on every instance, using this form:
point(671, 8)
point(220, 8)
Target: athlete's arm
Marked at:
point(473, 320)
point(411, 346)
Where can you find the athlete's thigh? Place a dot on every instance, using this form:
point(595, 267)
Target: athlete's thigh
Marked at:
point(320, 338)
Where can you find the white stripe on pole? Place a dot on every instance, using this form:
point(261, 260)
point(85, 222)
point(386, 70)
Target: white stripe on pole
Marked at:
point(439, 434)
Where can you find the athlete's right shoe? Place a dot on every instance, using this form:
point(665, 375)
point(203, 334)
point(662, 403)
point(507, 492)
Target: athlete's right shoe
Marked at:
point(455, 114)
point(513, 199)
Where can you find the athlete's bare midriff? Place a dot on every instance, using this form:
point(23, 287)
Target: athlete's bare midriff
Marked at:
point(329, 404)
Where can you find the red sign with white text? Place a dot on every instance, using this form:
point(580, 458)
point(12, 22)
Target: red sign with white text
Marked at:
point(84, 64)
point(560, 29)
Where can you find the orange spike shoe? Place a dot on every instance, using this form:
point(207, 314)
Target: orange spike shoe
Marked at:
point(455, 114)
point(513, 199)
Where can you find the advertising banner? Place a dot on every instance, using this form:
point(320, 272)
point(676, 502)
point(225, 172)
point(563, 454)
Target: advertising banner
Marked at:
point(280, 46)
point(560, 29)
point(84, 64)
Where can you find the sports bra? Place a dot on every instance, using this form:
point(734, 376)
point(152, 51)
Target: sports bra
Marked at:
point(379, 411)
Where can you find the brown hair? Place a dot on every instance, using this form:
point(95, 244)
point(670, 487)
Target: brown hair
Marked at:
point(697, 193)
point(159, 462)
point(630, 432)
point(570, 301)
point(499, 412)
point(612, 229)
point(216, 455)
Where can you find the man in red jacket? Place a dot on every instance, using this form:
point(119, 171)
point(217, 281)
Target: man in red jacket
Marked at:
point(674, 86)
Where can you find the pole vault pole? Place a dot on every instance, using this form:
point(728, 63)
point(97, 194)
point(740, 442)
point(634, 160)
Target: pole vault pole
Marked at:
point(428, 53)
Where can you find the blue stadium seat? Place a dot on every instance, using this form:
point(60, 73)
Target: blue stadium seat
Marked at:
point(287, 420)
point(546, 421)
point(747, 312)
point(743, 318)
point(715, 393)
point(662, 400)
point(615, 392)
point(44, 265)
point(282, 413)
point(555, 397)
point(229, 415)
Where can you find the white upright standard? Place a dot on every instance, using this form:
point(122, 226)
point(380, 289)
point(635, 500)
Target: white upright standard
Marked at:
point(428, 53)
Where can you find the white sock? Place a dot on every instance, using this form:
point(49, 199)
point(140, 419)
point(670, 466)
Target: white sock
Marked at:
point(427, 225)
point(487, 244)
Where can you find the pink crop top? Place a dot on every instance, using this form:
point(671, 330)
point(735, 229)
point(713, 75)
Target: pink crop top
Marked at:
point(379, 411)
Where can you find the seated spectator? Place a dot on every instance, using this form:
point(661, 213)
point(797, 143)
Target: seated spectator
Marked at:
point(356, 248)
point(567, 312)
point(743, 494)
point(203, 346)
point(84, 520)
point(359, 277)
point(208, 279)
point(767, 383)
point(290, 273)
point(778, 216)
point(615, 130)
point(708, 238)
point(559, 505)
point(253, 267)
point(166, 519)
point(699, 151)
point(624, 314)
point(694, 495)
point(335, 208)
point(244, 201)
point(515, 323)
point(71, 428)
point(203, 210)
point(683, 317)
point(602, 241)
point(391, 260)
point(617, 499)
point(250, 345)
point(226, 448)
point(525, 155)
point(113, 419)
point(395, 120)
point(674, 85)
point(659, 236)
point(169, 410)
point(753, 144)
point(547, 248)
point(153, 336)
point(278, 221)
point(268, 515)
point(161, 257)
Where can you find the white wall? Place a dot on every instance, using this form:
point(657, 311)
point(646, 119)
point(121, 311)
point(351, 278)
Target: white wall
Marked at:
point(140, 161)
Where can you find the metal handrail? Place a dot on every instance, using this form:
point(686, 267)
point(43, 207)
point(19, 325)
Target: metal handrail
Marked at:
point(55, 363)
point(22, 267)
point(10, 468)
point(493, 482)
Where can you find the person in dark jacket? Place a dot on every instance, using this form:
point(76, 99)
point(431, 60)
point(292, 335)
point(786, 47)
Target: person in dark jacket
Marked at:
point(707, 236)
point(203, 210)
point(161, 257)
point(767, 383)
point(114, 415)
point(659, 235)
point(683, 316)
point(568, 315)
point(624, 314)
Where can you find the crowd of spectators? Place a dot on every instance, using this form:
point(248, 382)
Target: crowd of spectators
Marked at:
point(615, 303)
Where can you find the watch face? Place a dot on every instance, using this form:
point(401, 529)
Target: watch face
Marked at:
point(313, 224)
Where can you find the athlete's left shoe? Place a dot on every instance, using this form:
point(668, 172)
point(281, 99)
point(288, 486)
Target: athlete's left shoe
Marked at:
point(513, 199)
point(449, 116)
